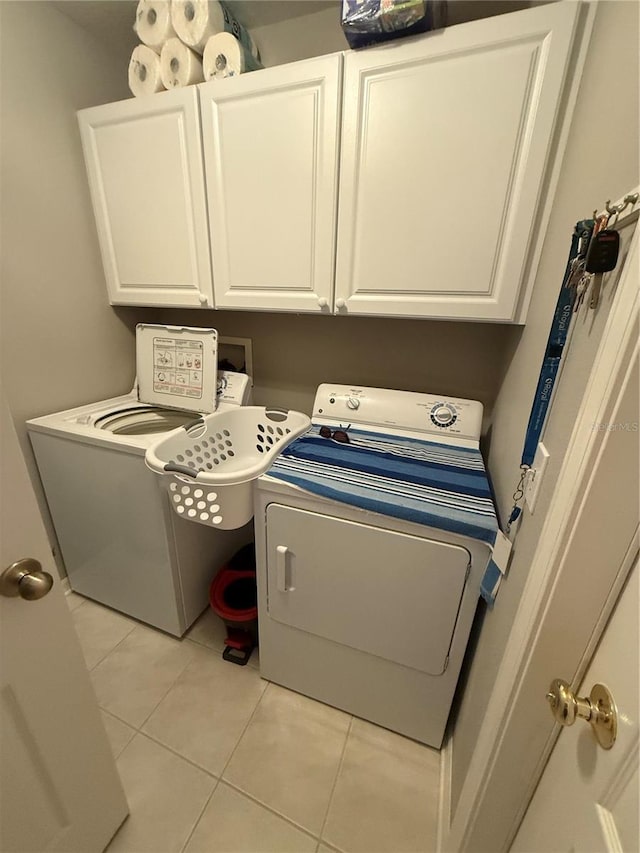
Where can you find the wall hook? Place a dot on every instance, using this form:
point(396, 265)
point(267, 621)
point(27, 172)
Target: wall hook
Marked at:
point(617, 209)
point(630, 199)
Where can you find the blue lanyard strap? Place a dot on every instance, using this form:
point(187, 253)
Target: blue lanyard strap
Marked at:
point(555, 343)
point(552, 356)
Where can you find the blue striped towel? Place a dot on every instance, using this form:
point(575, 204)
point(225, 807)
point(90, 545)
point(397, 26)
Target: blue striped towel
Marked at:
point(421, 481)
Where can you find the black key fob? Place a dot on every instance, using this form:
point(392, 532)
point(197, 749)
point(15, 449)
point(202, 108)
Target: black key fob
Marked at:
point(602, 254)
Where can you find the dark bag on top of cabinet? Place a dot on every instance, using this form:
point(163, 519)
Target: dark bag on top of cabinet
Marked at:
point(368, 22)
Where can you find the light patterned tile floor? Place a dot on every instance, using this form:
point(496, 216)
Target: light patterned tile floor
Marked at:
point(214, 759)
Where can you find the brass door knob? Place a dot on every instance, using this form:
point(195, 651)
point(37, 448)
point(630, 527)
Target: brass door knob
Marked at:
point(598, 709)
point(26, 579)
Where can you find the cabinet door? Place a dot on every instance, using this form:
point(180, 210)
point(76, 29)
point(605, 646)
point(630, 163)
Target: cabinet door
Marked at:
point(445, 143)
point(270, 147)
point(144, 163)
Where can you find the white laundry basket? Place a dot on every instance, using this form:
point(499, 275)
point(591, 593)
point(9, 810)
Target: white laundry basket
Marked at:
point(209, 467)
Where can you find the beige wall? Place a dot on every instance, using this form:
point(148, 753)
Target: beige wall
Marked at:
point(320, 32)
point(293, 354)
point(601, 162)
point(61, 344)
point(53, 284)
point(300, 38)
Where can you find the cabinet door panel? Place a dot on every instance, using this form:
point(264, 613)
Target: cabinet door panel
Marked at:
point(146, 176)
point(270, 145)
point(445, 144)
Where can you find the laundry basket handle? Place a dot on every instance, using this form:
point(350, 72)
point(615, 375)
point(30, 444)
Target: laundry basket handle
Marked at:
point(275, 413)
point(180, 469)
point(193, 425)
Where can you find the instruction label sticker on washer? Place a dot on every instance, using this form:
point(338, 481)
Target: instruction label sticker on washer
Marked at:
point(177, 367)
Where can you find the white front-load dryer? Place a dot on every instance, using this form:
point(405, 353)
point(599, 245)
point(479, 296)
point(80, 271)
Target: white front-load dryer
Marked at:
point(120, 542)
point(365, 611)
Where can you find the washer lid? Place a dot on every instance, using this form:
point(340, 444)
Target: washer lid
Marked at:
point(177, 367)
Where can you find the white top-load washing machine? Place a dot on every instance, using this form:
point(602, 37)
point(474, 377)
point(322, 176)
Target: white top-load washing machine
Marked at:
point(121, 543)
point(370, 553)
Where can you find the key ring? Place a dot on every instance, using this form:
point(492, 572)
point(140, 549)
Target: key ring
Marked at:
point(519, 491)
point(517, 497)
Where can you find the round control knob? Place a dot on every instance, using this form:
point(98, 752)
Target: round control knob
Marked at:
point(341, 303)
point(322, 302)
point(353, 403)
point(203, 299)
point(443, 415)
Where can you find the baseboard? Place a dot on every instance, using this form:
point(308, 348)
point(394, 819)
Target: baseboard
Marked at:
point(444, 801)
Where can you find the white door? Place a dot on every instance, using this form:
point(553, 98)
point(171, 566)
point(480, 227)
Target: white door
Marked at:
point(587, 798)
point(59, 788)
point(582, 556)
point(445, 141)
point(347, 582)
point(144, 163)
point(271, 147)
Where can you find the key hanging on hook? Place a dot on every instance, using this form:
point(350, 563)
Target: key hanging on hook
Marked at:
point(603, 251)
point(518, 494)
point(602, 254)
point(583, 278)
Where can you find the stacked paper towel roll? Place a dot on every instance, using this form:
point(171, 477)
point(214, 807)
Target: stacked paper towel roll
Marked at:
point(144, 71)
point(225, 56)
point(175, 35)
point(179, 65)
point(153, 23)
point(195, 21)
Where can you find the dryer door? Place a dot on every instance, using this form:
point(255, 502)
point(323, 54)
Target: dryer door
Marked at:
point(380, 591)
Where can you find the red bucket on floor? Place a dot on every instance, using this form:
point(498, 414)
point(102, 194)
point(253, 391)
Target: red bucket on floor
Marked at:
point(234, 597)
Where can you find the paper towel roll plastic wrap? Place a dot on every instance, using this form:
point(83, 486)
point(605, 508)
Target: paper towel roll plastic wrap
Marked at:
point(179, 65)
point(195, 21)
point(144, 71)
point(225, 56)
point(153, 23)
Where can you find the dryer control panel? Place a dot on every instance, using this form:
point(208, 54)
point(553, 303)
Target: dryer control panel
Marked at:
point(404, 411)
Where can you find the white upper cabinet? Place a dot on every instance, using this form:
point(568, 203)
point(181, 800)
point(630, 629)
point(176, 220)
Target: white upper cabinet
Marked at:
point(144, 162)
point(445, 147)
point(271, 146)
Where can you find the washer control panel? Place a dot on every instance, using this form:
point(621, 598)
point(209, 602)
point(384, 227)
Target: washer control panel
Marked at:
point(400, 410)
